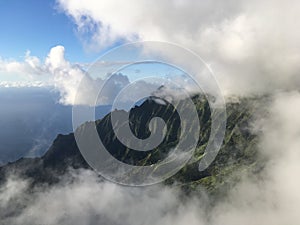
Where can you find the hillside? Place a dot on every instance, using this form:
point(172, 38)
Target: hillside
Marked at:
point(238, 153)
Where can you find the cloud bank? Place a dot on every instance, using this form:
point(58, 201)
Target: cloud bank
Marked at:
point(251, 46)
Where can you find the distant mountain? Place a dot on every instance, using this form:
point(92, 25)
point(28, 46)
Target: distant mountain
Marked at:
point(239, 150)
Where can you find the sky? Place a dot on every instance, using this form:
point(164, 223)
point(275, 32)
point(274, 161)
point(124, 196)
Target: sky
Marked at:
point(37, 26)
point(37, 33)
point(39, 42)
point(251, 47)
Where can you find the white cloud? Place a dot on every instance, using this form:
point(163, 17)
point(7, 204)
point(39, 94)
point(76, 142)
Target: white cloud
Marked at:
point(274, 198)
point(74, 82)
point(17, 84)
point(88, 200)
point(29, 69)
point(57, 72)
point(252, 46)
point(12, 189)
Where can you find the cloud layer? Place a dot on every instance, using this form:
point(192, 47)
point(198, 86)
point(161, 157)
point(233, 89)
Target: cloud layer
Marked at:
point(251, 46)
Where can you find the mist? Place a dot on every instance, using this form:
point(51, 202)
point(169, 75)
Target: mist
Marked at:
point(81, 197)
point(30, 119)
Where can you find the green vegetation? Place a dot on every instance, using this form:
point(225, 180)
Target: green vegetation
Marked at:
point(237, 156)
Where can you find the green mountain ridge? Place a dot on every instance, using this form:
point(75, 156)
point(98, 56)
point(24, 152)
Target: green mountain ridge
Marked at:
point(237, 155)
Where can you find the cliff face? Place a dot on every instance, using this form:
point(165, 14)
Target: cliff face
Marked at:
point(239, 151)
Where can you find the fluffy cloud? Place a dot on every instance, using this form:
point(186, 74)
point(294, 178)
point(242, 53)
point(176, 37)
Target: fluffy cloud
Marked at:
point(75, 84)
point(57, 72)
point(88, 200)
point(273, 199)
point(252, 46)
point(31, 65)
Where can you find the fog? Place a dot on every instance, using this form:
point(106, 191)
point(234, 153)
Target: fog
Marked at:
point(30, 120)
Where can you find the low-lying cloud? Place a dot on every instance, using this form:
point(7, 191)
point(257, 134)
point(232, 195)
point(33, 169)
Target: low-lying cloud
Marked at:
point(270, 198)
point(90, 200)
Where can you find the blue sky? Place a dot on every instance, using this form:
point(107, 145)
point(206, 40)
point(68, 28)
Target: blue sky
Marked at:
point(37, 26)
point(40, 26)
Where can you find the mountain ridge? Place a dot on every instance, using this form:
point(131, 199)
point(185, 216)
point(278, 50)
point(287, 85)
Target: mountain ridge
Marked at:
point(239, 149)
